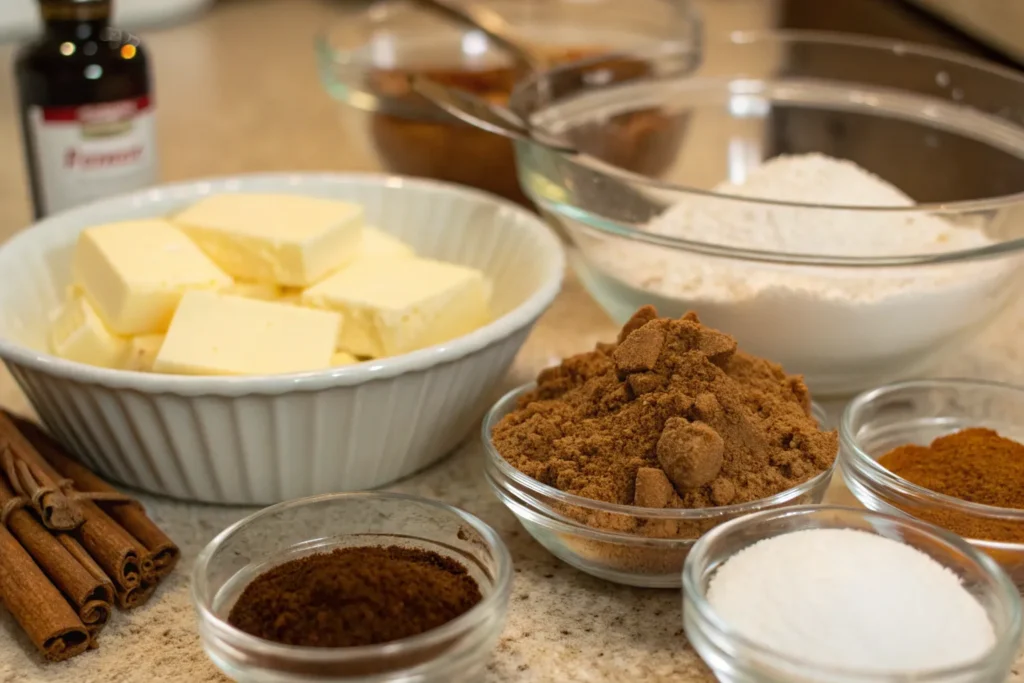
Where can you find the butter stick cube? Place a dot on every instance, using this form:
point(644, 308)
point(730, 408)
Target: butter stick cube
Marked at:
point(396, 306)
point(135, 272)
point(78, 334)
point(254, 290)
point(276, 239)
point(142, 352)
point(217, 334)
point(377, 243)
point(341, 358)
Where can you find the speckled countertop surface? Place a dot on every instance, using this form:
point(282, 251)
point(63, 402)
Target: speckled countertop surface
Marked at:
point(238, 92)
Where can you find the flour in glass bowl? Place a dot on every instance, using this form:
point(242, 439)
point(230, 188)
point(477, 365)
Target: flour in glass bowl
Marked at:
point(844, 328)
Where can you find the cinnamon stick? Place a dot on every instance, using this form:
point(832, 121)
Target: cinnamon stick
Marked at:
point(115, 551)
point(94, 611)
point(37, 605)
point(134, 597)
point(30, 477)
point(88, 590)
point(121, 557)
point(128, 513)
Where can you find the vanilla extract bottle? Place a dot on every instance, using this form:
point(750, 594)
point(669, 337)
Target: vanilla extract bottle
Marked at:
point(87, 112)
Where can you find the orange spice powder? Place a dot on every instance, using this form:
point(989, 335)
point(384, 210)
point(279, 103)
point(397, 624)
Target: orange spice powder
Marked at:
point(975, 465)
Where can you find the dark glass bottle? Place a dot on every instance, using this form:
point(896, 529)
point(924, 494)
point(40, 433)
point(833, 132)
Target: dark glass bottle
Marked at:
point(86, 107)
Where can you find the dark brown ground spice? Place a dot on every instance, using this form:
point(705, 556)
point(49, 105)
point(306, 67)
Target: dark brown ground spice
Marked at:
point(355, 596)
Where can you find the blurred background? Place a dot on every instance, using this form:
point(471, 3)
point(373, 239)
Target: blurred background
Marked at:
point(237, 87)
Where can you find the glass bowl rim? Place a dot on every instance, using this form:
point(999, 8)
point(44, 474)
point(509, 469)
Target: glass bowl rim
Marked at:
point(1010, 598)
point(641, 182)
point(867, 466)
point(463, 623)
point(330, 56)
point(510, 473)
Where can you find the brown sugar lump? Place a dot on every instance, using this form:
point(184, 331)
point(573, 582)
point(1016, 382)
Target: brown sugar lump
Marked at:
point(671, 415)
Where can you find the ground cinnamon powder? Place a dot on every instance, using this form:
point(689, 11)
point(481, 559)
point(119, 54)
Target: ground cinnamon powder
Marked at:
point(672, 415)
point(355, 596)
point(976, 465)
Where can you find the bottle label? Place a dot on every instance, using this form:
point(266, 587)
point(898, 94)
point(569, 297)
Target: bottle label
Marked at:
point(92, 151)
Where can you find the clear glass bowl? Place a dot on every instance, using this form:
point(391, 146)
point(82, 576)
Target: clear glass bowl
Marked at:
point(918, 412)
point(456, 652)
point(734, 659)
point(363, 63)
point(945, 129)
point(576, 529)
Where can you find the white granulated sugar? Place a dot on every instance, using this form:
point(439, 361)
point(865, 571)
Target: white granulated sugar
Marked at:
point(850, 599)
point(833, 319)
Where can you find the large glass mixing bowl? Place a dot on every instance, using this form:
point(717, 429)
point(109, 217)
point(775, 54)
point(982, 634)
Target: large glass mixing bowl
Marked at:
point(946, 130)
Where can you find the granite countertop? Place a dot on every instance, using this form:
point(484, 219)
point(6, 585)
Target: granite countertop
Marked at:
point(237, 92)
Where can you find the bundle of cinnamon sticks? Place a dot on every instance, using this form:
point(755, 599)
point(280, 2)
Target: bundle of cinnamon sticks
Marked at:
point(71, 545)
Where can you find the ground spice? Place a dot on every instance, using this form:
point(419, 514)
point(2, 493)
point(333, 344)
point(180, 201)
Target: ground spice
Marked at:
point(976, 465)
point(355, 596)
point(672, 415)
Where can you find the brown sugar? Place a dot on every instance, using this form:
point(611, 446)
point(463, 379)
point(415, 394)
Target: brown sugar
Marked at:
point(672, 415)
point(355, 596)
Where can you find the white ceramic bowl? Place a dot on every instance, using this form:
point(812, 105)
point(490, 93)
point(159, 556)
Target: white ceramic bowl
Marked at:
point(261, 440)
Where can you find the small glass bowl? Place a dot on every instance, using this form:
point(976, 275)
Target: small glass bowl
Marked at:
point(364, 62)
point(577, 531)
point(918, 412)
point(456, 651)
point(735, 659)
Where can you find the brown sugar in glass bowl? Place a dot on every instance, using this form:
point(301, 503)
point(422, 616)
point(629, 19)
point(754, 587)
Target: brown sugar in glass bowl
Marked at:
point(412, 137)
point(915, 414)
point(453, 615)
point(641, 544)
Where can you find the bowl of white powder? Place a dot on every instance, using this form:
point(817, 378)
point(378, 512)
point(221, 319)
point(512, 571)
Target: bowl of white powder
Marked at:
point(838, 595)
point(852, 208)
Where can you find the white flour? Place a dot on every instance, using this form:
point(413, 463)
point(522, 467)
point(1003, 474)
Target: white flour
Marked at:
point(844, 328)
point(850, 599)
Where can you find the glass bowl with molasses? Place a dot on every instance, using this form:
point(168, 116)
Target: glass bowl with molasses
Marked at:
point(365, 62)
point(353, 587)
point(946, 451)
point(618, 459)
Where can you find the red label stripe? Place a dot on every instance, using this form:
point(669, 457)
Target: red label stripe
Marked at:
point(98, 113)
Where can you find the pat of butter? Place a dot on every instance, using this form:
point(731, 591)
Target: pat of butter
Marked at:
point(135, 272)
point(142, 352)
point(215, 334)
point(343, 358)
point(379, 243)
point(78, 334)
point(396, 306)
point(278, 239)
point(254, 290)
